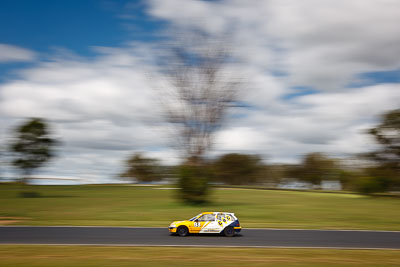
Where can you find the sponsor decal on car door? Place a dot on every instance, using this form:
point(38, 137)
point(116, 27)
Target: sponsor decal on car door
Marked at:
point(197, 226)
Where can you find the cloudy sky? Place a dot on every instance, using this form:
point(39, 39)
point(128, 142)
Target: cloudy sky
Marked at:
point(319, 73)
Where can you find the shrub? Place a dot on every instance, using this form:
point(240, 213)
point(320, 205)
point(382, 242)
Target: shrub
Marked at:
point(193, 183)
point(369, 185)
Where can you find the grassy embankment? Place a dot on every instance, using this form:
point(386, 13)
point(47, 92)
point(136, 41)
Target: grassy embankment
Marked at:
point(22, 255)
point(147, 206)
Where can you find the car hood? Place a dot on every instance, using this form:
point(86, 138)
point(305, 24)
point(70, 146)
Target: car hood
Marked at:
point(178, 222)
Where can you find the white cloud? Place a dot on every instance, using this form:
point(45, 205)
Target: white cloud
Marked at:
point(321, 44)
point(11, 53)
point(239, 139)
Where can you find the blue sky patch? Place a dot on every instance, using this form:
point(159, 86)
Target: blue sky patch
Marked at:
point(377, 77)
point(46, 25)
point(299, 91)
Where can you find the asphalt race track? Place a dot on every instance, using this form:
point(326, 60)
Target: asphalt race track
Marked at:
point(161, 237)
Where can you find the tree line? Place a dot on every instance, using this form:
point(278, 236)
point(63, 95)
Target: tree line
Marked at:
point(377, 171)
point(33, 146)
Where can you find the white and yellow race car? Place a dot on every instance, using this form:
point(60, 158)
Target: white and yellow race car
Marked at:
point(207, 222)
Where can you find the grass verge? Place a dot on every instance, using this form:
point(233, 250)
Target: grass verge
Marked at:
point(118, 205)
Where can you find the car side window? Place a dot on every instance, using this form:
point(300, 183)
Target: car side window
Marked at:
point(207, 218)
point(210, 217)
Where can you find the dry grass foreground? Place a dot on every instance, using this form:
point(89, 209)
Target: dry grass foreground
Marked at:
point(41, 255)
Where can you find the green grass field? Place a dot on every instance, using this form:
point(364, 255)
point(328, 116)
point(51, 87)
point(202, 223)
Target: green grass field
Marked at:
point(117, 205)
point(177, 256)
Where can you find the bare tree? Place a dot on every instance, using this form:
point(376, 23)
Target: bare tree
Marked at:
point(202, 86)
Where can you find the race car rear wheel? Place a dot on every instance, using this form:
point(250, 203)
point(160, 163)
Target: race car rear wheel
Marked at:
point(229, 231)
point(182, 231)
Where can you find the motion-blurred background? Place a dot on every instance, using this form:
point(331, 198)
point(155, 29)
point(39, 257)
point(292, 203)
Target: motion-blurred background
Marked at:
point(310, 78)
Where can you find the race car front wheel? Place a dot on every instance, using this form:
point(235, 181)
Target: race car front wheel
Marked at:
point(182, 231)
point(228, 231)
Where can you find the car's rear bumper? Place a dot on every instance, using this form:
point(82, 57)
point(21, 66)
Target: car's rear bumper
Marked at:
point(237, 229)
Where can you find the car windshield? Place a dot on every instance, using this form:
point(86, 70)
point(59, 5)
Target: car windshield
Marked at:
point(192, 219)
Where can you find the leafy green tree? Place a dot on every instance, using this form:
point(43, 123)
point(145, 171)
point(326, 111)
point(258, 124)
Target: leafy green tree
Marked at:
point(33, 146)
point(273, 174)
point(238, 169)
point(142, 169)
point(349, 179)
point(387, 134)
point(315, 168)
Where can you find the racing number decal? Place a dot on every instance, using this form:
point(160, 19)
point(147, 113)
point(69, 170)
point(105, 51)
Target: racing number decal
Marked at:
point(196, 224)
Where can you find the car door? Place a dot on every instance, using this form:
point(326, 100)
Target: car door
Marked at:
point(198, 223)
point(211, 225)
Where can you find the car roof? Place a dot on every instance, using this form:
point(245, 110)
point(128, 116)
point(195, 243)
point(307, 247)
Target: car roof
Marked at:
point(215, 212)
